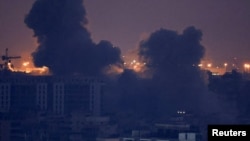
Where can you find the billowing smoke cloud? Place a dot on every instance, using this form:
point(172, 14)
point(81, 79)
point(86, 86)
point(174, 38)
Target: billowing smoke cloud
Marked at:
point(176, 81)
point(173, 60)
point(165, 50)
point(65, 45)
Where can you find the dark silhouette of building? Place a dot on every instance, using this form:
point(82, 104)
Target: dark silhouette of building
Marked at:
point(51, 94)
point(43, 107)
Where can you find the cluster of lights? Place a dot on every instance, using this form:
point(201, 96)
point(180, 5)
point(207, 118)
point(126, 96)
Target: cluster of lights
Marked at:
point(209, 65)
point(27, 67)
point(219, 70)
point(181, 112)
point(135, 65)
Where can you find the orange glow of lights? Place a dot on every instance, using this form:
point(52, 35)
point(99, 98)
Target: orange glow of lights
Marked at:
point(10, 66)
point(25, 64)
point(138, 67)
point(209, 65)
point(247, 67)
point(29, 68)
point(39, 71)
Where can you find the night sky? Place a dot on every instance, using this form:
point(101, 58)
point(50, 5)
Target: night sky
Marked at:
point(225, 24)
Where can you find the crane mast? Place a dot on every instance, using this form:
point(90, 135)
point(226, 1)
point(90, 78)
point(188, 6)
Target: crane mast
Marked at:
point(7, 60)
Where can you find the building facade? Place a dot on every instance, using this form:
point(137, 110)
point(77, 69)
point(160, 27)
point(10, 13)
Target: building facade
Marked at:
point(52, 94)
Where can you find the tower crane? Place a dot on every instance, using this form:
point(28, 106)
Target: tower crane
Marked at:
point(7, 60)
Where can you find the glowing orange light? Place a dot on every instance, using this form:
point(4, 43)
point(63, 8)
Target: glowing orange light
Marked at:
point(247, 67)
point(25, 64)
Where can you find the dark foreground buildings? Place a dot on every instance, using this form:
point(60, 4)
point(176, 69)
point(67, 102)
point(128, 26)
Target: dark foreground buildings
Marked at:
point(69, 108)
point(44, 108)
point(51, 94)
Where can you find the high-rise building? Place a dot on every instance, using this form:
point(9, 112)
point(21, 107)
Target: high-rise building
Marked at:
point(52, 94)
point(5, 96)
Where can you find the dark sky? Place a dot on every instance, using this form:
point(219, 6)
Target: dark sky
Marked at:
point(225, 24)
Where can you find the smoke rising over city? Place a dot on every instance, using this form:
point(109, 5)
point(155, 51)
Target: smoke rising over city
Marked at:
point(173, 59)
point(167, 48)
point(89, 77)
point(172, 79)
point(64, 43)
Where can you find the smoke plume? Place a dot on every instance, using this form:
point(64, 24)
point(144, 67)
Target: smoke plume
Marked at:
point(176, 81)
point(65, 45)
point(173, 59)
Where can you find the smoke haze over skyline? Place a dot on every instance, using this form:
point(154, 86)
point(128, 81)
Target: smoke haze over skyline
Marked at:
point(95, 69)
point(225, 24)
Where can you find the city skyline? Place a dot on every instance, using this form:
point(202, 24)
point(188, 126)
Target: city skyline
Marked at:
point(224, 24)
point(163, 70)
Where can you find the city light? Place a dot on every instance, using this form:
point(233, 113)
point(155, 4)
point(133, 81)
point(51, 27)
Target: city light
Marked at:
point(246, 67)
point(209, 65)
point(181, 112)
point(25, 64)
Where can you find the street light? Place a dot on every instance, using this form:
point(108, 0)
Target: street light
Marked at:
point(209, 65)
point(247, 67)
point(225, 65)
